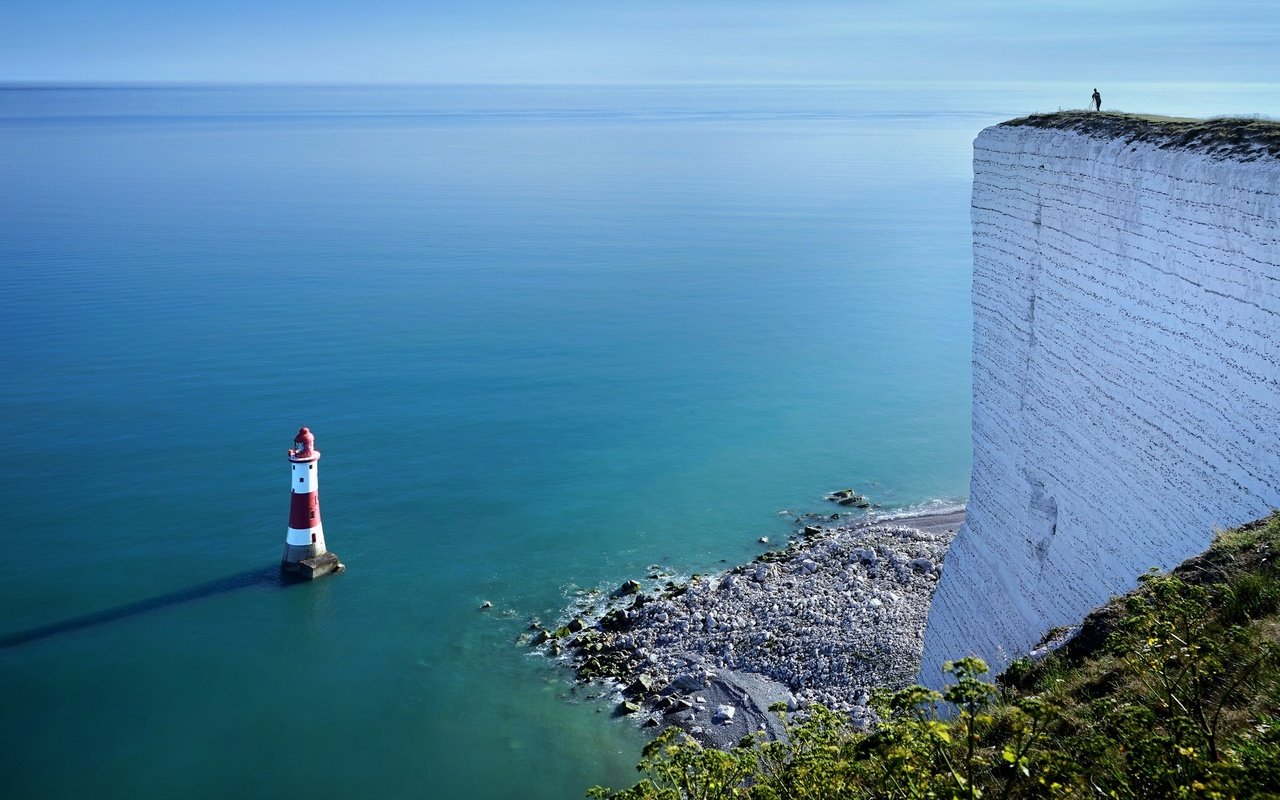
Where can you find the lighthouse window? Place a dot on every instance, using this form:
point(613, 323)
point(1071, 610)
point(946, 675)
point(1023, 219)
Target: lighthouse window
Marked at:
point(311, 466)
point(299, 480)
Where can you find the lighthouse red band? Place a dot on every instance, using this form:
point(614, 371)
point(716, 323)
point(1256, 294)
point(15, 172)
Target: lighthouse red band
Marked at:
point(305, 538)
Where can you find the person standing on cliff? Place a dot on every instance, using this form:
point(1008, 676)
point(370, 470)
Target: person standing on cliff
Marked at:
point(1097, 101)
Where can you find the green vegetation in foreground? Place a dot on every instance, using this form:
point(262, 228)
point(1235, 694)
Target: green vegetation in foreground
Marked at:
point(1179, 697)
point(1240, 138)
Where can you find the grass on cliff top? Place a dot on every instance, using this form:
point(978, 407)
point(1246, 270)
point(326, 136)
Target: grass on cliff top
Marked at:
point(1239, 138)
point(1175, 695)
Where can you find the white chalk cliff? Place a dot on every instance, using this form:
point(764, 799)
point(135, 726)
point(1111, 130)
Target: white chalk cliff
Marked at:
point(1126, 374)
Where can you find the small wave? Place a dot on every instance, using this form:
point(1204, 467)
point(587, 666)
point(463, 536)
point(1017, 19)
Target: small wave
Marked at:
point(928, 508)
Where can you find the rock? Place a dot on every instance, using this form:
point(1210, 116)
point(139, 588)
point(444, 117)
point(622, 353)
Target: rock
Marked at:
point(848, 497)
point(726, 583)
point(615, 621)
point(630, 587)
point(628, 707)
point(764, 540)
point(724, 715)
point(812, 530)
point(641, 686)
point(486, 605)
point(672, 591)
point(652, 722)
point(688, 682)
point(921, 564)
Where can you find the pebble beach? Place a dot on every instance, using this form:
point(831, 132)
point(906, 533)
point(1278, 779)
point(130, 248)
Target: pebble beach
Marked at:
point(836, 613)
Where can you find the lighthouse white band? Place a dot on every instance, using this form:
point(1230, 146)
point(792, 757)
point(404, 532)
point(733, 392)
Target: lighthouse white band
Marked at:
point(303, 537)
point(304, 477)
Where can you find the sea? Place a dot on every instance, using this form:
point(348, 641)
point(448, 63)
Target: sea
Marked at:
point(547, 337)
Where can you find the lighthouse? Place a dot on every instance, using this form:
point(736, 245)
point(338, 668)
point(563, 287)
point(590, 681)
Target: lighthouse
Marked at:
point(304, 551)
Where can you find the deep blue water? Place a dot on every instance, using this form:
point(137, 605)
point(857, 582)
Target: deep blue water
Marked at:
point(545, 337)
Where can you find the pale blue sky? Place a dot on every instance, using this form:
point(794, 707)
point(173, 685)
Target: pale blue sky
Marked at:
point(598, 41)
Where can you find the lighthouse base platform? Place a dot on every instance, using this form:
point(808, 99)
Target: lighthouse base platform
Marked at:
point(308, 569)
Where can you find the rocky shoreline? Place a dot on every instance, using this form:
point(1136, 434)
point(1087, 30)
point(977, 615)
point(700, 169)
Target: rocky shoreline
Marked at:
point(837, 612)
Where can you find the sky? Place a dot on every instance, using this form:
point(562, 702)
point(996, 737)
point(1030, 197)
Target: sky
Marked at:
point(637, 41)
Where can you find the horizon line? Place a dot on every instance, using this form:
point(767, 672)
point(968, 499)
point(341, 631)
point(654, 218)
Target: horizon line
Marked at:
point(41, 83)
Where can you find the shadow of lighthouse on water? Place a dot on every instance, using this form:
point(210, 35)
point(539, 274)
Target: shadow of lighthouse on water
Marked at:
point(305, 558)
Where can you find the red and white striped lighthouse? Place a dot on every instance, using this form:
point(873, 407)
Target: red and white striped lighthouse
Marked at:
point(304, 550)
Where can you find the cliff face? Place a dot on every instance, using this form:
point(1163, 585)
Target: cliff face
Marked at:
point(1126, 371)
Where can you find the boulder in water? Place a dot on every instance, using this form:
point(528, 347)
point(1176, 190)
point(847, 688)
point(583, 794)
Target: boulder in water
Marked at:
point(630, 587)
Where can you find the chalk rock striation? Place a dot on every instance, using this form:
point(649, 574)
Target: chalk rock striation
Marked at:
point(1126, 370)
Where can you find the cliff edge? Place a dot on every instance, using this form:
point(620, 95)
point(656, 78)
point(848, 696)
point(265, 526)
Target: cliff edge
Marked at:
point(1126, 364)
point(1243, 139)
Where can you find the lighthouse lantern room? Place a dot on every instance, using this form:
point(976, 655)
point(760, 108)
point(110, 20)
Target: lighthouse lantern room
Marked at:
point(304, 552)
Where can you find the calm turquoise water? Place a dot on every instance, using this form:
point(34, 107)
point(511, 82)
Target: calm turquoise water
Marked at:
point(545, 337)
